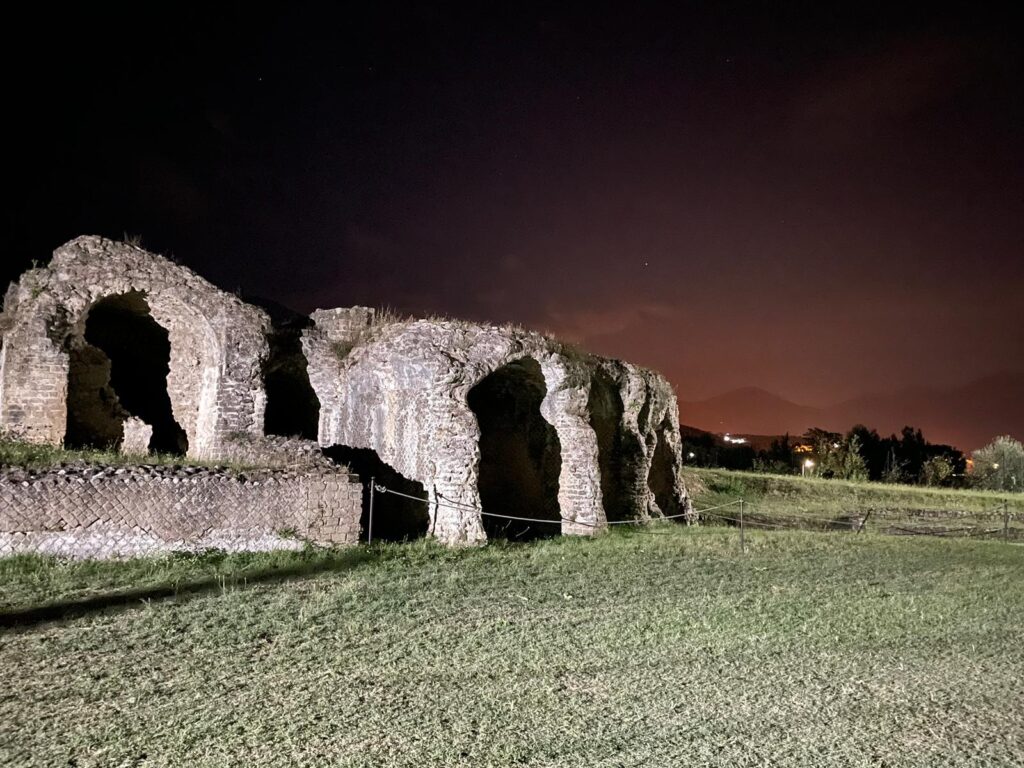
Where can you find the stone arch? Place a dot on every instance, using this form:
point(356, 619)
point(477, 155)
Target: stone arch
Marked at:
point(217, 343)
point(614, 454)
point(520, 454)
point(662, 474)
point(194, 377)
point(119, 361)
point(395, 517)
point(293, 409)
point(402, 388)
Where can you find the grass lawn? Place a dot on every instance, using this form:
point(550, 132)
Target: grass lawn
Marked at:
point(661, 647)
point(893, 508)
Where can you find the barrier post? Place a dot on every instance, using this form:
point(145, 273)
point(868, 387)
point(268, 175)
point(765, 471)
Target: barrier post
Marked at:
point(369, 530)
point(1006, 521)
point(743, 544)
point(864, 522)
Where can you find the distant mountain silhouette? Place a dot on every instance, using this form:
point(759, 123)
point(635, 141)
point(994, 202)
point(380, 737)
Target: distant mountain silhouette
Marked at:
point(750, 410)
point(967, 417)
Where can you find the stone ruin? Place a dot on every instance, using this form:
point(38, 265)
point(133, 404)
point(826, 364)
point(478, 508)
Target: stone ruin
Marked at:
point(112, 346)
point(191, 353)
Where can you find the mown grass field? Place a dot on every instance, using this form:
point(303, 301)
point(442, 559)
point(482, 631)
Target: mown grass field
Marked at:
point(661, 647)
point(898, 509)
point(789, 493)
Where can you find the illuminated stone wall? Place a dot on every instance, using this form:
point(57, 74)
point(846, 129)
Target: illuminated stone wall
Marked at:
point(217, 343)
point(102, 512)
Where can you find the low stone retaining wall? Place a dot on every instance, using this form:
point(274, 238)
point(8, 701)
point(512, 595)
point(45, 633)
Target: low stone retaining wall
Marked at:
point(102, 512)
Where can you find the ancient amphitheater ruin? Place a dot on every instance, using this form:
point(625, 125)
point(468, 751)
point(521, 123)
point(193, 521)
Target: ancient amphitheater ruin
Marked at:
point(110, 345)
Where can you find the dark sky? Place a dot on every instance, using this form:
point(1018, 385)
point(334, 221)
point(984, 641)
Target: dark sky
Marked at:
point(822, 203)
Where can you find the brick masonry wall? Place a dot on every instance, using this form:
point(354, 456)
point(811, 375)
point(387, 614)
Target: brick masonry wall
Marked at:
point(218, 342)
point(402, 392)
point(103, 512)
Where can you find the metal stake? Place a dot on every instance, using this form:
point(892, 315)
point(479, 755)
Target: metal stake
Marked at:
point(743, 545)
point(864, 522)
point(369, 532)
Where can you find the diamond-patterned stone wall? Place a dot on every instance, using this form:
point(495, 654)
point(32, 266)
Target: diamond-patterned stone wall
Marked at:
point(102, 512)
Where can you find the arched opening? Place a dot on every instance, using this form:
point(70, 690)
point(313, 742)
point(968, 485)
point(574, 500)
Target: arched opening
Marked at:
point(661, 478)
point(395, 518)
point(606, 411)
point(118, 368)
point(293, 409)
point(520, 455)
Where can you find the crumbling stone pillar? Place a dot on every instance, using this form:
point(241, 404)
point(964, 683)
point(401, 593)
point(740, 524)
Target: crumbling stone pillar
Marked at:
point(137, 435)
point(579, 482)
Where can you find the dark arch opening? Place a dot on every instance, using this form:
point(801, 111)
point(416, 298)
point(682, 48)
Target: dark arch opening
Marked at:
point(520, 454)
point(293, 409)
point(606, 411)
point(394, 518)
point(118, 369)
point(661, 478)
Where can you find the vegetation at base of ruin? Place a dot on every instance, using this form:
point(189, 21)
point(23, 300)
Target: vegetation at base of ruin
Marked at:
point(665, 646)
point(27, 455)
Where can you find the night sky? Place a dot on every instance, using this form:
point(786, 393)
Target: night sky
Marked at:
point(821, 203)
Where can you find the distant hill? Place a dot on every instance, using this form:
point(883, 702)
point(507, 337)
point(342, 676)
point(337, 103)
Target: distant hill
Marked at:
point(750, 410)
point(967, 416)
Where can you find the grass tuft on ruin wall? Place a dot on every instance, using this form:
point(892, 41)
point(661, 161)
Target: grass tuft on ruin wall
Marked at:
point(15, 452)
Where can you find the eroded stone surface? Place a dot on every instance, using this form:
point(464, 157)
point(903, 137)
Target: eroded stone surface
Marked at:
point(401, 390)
point(136, 436)
point(603, 435)
point(217, 342)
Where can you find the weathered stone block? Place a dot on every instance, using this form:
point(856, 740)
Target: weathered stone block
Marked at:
point(136, 435)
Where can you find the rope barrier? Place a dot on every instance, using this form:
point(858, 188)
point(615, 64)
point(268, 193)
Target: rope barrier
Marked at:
point(755, 523)
point(968, 531)
point(441, 501)
point(793, 515)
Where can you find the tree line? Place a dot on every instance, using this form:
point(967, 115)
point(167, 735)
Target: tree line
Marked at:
point(863, 454)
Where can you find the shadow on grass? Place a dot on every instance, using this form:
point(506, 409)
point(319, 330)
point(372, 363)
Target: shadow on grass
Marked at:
point(184, 591)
